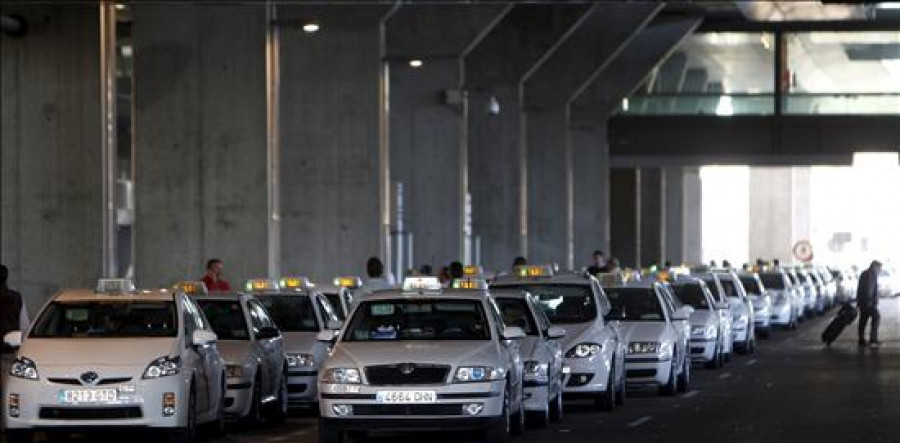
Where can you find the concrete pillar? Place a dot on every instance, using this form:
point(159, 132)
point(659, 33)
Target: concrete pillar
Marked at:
point(771, 213)
point(591, 182)
point(624, 200)
point(548, 194)
point(652, 216)
point(692, 204)
point(801, 200)
point(674, 228)
point(333, 192)
point(52, 167)
point(200, 141)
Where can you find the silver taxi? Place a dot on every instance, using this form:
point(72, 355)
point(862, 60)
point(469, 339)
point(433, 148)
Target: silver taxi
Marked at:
point(253, 349)
point(115, 357)
point(593, 350)
point(423, 358)
point(541, 352)
point(707, 336)
point(744, 322)
point(300, 312)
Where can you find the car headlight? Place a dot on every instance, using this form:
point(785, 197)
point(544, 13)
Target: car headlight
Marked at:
point(643, 347)
point(24, 368)
point(234, 371)
point(584, 350)
point(300, 360)
point(466, 374)
point(703, 331)
point(341, 376)
point(162, 367)
point(535, 369)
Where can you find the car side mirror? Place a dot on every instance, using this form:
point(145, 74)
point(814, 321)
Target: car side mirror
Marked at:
point(202, 337)
point(556, 333)
point(13, 339)
point(327, 336)
point(513, 333)
point(268, 333)
point(334, 325)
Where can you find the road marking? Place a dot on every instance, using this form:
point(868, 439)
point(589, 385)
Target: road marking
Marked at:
point(640, 421)
point(751, 362)
point(690, 394)
point(724, 376)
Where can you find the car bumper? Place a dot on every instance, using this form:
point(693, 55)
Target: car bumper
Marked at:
point(302, 386)
point(448, 405)
point(739, 335)
point(407, 424)
point(586, 375)
point(761, 319)
point(139, 404)
point(703, 349)
point(782, 315)
point(537, 395)
point(647, 371)
point(238, 397)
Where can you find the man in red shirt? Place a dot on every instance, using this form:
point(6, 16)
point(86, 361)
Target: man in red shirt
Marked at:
point(213, 278)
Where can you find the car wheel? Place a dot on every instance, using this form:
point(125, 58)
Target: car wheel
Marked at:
point(187, 434)
point(217, 426)
point(254, 415)
point(556, 408)
point(499, 430)
point(668, 389)
point(279, 408)
point(684, 379)
point(606, 401)
point(518, 419)
point(539, 419)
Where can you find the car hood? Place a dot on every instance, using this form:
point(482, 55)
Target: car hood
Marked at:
point(234, 351)
point(300, 342)
point(703, 318)
point(452, 353)
point(96, 351)
point(643, 331)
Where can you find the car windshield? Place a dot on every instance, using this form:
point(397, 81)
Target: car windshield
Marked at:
point(636, 304)
point(730, 288)
point(291, 313)
point(440, 319)
point(335, 300)
point(692, 294)
point(107, 319)
point(713, 288)
point(227, 318)
point(563, 304)
point(772, 280)
point(751, 285)
point(515, 312)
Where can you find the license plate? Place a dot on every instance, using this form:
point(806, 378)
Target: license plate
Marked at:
point(88, 396)
point(406, 397)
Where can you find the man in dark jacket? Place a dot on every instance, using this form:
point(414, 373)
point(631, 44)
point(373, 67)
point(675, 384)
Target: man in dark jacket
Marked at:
point(867, 300)
point(13, 315)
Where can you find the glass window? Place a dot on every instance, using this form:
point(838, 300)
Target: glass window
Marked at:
point(751, 284)
point(563, 304)
point(118, 319)
point(636, 304)
point(692, 294)
point(439, 319)
point(226, 317)
point(328, 311)
point(334, 299)
point(773, 280)
point(292, 313)
point(515, 312)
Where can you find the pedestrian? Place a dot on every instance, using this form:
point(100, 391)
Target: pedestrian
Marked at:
point(213, 278)
point(776, 263)
point(444, 276)
point(726, 264)
point(519, 261)
point(867, 301)
point(13, 317)
point(612, 265)
point(457, 271)
point(598, 264)
point(377, 280)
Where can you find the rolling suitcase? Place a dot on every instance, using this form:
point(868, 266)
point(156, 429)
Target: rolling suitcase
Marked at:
point(843, 318)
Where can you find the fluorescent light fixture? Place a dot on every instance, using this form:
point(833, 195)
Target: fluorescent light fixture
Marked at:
point(120, 6)
point(311, 27)
point(725, 107)
point(889, 5)
point(415, 63)
point(625, 104)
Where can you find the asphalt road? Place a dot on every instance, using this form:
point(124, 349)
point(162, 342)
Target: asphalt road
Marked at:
point(791, 390)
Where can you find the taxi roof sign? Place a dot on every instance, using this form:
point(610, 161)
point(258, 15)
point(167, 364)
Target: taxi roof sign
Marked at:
point(348, 282)
point(473, 270)
point(470, 283)
point(192, 287)
point(421, 284)
point(115, 286)
point(531, 271)
point(295, 283)
point(262, 284)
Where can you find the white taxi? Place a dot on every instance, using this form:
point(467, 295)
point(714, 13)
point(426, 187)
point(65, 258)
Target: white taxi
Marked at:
point(595, 355)
point(115, 357)
point(658, 353)
point(787, 301)
point(341, 294)
point(761, 300)
point(743, 325)
point(423, 358)
point(253, 349)
point(300, 312)
point(707, 337)
point(541, 352)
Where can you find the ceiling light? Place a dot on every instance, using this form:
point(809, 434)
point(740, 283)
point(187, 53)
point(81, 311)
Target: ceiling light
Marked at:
point(415, 63)
point(311, 27)
point(889, 5)
point(725, 107)
point(120, 6)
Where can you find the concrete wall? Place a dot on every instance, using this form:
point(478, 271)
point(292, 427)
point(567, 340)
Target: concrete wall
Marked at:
point(624, 191)
point(547, 187)
point(330, 188)
point(425, 157)
point(51, 154)
point(652, 217)
point(591, 179)
point(693, 215)
point(674, 198)
point(200, 141)
point(771, 213)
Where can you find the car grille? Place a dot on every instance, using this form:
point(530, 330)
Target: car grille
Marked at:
point(115, 413)
point(402, 410)
point(421, 374)
point(77, 382)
